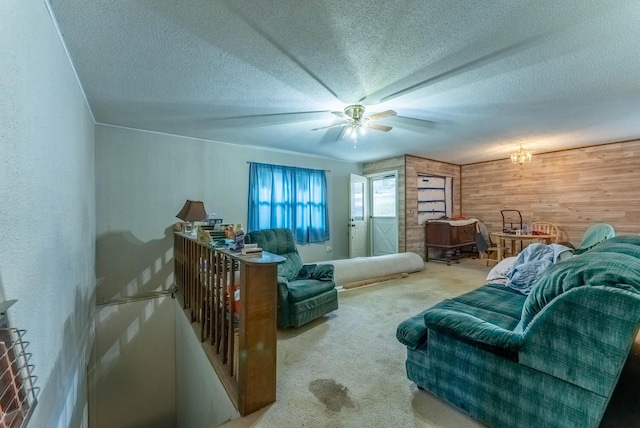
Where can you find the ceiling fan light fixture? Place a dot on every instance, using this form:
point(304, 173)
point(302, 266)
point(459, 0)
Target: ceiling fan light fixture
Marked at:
point(355, 122)
point(521, 156)
point(354, 111)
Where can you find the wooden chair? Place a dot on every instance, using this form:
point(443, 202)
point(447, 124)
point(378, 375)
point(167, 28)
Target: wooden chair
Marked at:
point(485, 249)
point(490, 253)
point(546, 228)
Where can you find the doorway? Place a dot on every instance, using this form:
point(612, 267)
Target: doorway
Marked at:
point(384, 213)
point(358, 215)
point(373, 214)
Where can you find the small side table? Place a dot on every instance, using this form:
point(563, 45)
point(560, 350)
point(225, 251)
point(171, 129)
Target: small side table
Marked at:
point(503, 237)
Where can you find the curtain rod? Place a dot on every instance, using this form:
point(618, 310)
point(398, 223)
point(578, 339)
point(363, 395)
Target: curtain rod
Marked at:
point(325, 170)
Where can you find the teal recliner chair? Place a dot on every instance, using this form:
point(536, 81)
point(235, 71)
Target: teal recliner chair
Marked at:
point(594, 235)
point(305, 292)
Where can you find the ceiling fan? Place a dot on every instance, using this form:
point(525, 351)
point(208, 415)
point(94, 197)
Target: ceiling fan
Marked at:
point(356, 121)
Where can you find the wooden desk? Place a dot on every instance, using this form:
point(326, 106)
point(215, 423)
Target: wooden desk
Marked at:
point(503, 237)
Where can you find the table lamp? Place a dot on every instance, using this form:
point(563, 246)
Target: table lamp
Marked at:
point(191, 212)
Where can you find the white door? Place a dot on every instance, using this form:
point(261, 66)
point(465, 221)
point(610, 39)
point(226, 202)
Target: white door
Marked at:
point(358, 214)
point(384, 218)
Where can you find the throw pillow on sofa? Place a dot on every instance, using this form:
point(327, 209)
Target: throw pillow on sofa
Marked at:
point(306, 272)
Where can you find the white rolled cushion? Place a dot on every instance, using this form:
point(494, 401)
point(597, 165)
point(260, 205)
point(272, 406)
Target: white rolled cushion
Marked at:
point(347, 271)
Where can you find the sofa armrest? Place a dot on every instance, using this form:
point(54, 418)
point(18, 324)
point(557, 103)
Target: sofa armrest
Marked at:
point(283, 288)
point(283, 304)
point(412, 332)
point(472, 329)
point(583, 336)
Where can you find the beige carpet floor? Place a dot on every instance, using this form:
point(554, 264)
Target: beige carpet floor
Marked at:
point(347, 368)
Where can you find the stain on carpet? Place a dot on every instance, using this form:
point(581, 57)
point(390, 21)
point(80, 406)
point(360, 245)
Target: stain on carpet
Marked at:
point(331, 394)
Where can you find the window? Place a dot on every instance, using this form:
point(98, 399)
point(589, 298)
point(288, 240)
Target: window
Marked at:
point(293, 198)
point(357, 204)
point(383, 203)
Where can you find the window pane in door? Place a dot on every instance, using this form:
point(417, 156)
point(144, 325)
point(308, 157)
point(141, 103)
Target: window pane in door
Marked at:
point(384, 197)
point(357, 209)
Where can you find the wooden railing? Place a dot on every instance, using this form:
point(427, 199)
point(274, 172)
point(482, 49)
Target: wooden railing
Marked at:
point(238, 335)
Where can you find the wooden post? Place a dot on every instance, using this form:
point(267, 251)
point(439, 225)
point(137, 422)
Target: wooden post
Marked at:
point(257, 347)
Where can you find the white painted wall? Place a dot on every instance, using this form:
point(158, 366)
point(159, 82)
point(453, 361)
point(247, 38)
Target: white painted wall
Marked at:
point(47, 208)
point(201, 400)
point(135, 365)
point(144, 178)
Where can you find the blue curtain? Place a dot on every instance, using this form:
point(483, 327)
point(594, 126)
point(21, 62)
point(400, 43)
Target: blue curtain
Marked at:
point(293, 198)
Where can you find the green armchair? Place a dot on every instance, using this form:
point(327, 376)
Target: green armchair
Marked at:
point(305, 292)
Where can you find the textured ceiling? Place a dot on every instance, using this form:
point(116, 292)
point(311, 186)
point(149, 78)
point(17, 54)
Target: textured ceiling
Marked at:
point(480, 76)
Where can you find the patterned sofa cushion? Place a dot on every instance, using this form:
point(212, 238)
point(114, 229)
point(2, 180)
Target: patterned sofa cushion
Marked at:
point(491, 310)
point(485, 317)
point(495, 298)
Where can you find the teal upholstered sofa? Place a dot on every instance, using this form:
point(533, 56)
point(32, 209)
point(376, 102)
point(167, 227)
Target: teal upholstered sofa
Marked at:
point(305, 292)
point(549, 359)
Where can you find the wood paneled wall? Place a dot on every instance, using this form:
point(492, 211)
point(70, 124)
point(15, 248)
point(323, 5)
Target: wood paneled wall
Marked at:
point(572, 189)
point(410, 234)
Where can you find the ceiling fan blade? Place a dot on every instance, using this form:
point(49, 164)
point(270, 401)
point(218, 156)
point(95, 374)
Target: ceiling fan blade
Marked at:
point(332, 135)
point(340, 135)
point(382, 114)
point(413, 122)
point(378, 127)
point(269, 119)
point(330, 126)
point(340, 114)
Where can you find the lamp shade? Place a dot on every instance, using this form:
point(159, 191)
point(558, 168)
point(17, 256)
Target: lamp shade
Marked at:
point(192, 211)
